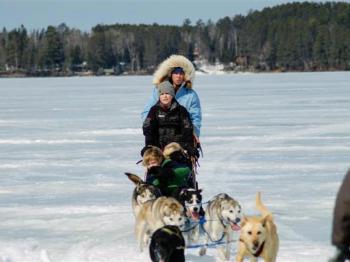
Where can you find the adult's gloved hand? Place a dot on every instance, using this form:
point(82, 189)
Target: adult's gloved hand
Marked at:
point(155, 171)
point(161, 172)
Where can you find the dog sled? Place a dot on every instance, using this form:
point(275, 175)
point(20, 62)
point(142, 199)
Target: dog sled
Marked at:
point(178, 199)
point(203, 227)
point(186, 155)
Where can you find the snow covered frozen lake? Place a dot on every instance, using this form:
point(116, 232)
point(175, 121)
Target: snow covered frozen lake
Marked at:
point(66, 142)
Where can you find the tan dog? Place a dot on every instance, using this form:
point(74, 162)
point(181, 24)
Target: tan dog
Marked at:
point(258, 236)
point(155, 214)
point(222, 216)
point(142, 193)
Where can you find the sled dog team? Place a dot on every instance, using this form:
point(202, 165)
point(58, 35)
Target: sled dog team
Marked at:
point(167, 203)
point(168, 220)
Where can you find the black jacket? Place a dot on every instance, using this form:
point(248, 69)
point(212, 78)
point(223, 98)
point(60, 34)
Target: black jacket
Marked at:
point(341, 219)
point(163, 126)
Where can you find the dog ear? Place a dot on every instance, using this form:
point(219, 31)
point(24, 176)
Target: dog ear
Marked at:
point(134, 178)
point(183, 192)
point(244, 221)
point(173, 206)
point(265, 219)
point(200, 191)
point(165, 209)
point(222, 196)
point(268, 218)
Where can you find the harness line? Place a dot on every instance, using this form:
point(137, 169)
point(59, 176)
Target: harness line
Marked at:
point(214, 242)
point(211, 245)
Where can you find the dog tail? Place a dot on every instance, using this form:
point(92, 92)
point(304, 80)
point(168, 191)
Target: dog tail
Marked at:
point(260, 206)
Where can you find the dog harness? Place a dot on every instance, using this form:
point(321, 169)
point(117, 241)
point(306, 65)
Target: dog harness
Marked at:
point(174, 232)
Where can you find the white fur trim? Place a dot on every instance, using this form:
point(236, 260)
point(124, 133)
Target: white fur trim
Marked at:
point(165, 68)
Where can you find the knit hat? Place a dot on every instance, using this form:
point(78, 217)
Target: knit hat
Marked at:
point(178, 70)
point(166, 87)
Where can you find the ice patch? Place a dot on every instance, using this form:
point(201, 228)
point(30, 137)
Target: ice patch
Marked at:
point(5, 191)
point(109, 132)
point(285, 135)
point(69, 210)
point(44, 141)
point(9, 166)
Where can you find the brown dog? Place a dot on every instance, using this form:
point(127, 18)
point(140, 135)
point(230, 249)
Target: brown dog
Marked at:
point(258, 236)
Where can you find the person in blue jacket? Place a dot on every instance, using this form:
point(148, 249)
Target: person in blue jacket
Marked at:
point(179, 71)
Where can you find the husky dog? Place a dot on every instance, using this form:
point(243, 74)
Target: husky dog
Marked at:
point(191, 199)
point(258, 236)
point(142, 192)
point(155, 214)
point(167, 245)
point(222, 216)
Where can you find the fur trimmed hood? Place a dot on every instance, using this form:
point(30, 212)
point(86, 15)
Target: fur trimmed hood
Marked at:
point(164, 69)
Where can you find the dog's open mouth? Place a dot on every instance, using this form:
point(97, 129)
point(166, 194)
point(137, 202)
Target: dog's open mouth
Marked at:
point(234, 226)
point(194, 215)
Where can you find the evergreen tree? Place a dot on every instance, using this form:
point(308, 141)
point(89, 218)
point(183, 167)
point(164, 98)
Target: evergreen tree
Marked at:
point(3, 58)
point(53, 49)
point(294, 36)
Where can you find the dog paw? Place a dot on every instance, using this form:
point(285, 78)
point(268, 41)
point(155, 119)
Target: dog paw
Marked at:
point(202, 251)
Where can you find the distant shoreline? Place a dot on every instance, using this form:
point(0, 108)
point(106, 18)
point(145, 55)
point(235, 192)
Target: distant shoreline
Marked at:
point(198, 73)
point(293, 37)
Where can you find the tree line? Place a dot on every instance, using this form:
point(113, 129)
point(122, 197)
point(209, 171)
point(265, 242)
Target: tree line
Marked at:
point(289, 37)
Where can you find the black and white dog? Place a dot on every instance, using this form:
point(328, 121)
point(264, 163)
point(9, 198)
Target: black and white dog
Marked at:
point(191, 199)
point(167, 245)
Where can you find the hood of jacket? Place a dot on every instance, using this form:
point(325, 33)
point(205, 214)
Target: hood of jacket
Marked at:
point(163, 71)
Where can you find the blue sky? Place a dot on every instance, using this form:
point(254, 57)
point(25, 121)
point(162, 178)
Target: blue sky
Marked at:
point(83, 14)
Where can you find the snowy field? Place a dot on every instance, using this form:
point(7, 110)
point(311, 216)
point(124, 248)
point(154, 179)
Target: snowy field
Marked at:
point(66, 142)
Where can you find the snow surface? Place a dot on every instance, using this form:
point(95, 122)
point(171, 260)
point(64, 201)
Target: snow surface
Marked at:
point(66, 142)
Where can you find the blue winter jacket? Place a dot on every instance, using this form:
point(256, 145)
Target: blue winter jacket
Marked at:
point(186, 97)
